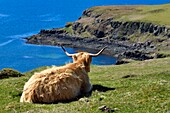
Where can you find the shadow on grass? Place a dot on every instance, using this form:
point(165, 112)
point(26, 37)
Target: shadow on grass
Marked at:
point(101, 88)
point(98, 88)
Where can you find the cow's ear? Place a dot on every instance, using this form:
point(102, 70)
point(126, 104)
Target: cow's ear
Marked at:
point(87, 62)
point(74, 58)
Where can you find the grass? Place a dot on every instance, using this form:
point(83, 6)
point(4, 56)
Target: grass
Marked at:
point(153, 12)
point(144, 13)
point(68, 29)
point(136, 87)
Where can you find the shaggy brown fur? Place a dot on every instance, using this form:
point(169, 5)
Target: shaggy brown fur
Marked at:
point(59, 83)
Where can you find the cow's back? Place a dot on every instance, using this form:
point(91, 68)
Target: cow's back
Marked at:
point(51, 87)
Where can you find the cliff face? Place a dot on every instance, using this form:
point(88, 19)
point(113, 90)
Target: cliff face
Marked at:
point(99, 27)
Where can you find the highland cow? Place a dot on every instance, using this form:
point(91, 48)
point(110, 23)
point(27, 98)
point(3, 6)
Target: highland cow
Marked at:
point(63, 83)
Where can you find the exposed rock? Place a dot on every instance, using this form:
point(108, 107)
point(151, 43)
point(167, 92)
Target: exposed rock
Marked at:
point(52, 31)
point(129, 28)
point(98, 33)
point(106, 109)
point(118, 62)
point(75, 25)
point(87, 13)
point(102, 107)
point(137, 55)
point(93, 31)
point(129, 76)
point(85, 100)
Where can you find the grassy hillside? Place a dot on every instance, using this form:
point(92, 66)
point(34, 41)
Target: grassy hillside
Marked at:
point(113, 23)
point(136, 87)
point(157, 14)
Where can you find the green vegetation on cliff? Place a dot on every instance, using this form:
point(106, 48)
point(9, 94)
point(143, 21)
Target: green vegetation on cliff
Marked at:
point(157, 14)
point(8, 72)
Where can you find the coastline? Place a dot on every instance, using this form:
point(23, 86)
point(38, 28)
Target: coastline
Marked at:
point(118, 50)
point(101, 26)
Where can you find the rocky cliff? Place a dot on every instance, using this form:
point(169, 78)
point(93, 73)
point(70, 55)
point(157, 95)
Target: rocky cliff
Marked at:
point(102, 26)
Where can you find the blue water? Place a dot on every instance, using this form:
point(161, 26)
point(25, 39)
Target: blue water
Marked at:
point(23, 18)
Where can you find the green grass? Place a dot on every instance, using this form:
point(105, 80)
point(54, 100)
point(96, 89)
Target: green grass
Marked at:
point(153, 12)
point(144, 13)
point(68, 29)
point(146, 90)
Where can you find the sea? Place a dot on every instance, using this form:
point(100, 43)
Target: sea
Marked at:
point(22, 18)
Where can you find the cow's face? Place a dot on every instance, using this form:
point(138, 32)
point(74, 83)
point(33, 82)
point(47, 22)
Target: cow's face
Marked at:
point(83, 57)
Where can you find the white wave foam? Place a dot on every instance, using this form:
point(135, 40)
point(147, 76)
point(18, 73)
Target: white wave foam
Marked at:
point(22, 35)
point(50, 18)
point(3, 15)
point(27, 57)
point(45, 15)
point(7, 42)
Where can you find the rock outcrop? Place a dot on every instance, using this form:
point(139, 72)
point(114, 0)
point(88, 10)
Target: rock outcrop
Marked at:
point(8, 72)
point(125, 39)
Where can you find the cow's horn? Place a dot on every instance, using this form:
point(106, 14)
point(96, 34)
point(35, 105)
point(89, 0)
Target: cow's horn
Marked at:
point(68, 54)
point(97, 54)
